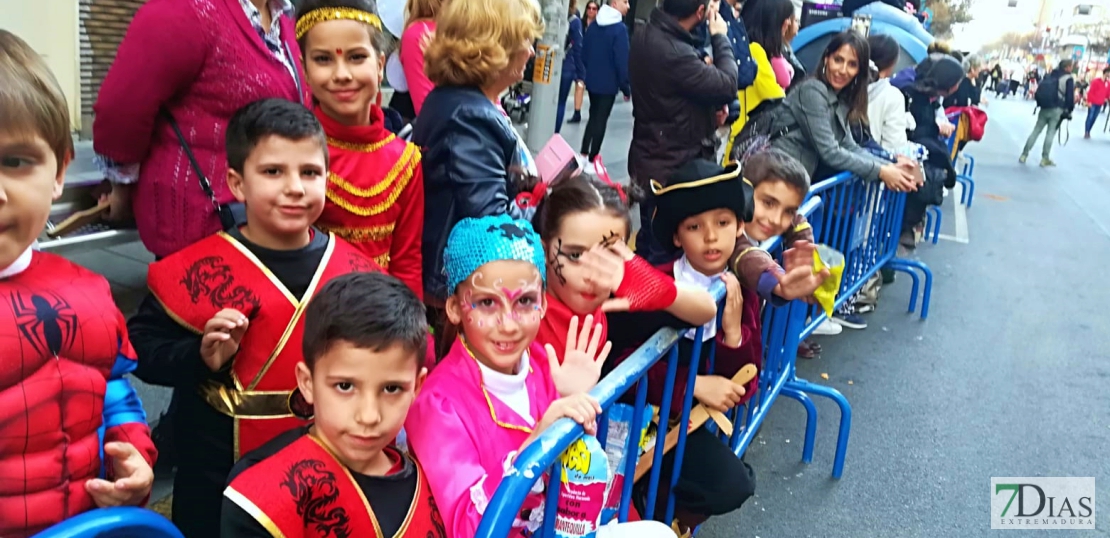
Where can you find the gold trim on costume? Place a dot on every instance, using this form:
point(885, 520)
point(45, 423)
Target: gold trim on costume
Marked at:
point(382, 261)
point(802, 226)
point(180, 321)
point(489, 402)
point(360, 235)
point(261, 266)
point(301, 305)
point(312, 18)
point(252, 404)
point(398, 177)
point(364, 148)
point(351, 478)
point(657, 188)
point(409, 154)
point(249, 507)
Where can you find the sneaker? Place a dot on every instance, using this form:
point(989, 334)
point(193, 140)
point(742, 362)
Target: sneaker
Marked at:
point(851, 321)
point(1022, 159)
point(864, 308)
point(828, 328)
point(1047, 162)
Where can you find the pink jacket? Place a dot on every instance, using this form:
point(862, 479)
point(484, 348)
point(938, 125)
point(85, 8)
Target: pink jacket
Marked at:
point(412, 60)
point(463, 443)
point(201, 60)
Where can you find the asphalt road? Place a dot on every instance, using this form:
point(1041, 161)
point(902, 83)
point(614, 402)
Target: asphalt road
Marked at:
point(1007, 377)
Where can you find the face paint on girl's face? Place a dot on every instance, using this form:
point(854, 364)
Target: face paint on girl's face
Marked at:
point(578, 233)
point(499, 309)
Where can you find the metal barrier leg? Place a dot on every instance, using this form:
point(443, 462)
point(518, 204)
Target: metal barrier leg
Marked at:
point(811, 421)
point(907, 266)
point(845, 417)
point(928, 222)
point(936, 222)
point(897, 266)
point(969, 168)
point(968, 190)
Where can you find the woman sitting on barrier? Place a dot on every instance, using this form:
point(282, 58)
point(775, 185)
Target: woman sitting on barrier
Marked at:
point(584, 224)
point(813, 123)
point(497, 390)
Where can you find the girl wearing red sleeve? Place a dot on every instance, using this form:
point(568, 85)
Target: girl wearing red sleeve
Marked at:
point(375, 196)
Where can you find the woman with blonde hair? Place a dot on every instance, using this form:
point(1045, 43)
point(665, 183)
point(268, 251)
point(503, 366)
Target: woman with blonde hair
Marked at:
point(479, 49)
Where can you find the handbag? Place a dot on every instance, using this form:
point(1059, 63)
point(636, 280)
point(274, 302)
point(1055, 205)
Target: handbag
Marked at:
point(233, 214)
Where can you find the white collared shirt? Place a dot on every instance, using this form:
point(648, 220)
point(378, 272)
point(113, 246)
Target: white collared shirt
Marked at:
point(685, 273)
point(512, 390)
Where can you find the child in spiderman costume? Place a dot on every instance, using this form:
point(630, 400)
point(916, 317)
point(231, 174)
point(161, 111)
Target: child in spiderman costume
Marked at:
point(73, 435)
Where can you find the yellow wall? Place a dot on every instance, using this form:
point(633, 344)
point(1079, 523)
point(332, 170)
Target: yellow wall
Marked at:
point(51, 28)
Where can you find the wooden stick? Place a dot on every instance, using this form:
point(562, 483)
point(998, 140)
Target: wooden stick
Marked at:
point(699, 414)
point(78, 220)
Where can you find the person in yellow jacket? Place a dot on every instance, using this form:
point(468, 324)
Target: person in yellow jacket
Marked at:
point(765, 89)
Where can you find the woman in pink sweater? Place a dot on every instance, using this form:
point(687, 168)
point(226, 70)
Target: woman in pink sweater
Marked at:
point(419, 26)
point(199, 61)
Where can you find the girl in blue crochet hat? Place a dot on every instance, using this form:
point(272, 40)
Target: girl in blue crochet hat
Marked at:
point(497, 390)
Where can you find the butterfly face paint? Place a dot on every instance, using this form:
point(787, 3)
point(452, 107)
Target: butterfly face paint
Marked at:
point(501, 307)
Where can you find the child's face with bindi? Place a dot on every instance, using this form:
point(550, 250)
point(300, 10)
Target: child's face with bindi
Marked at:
point(776, 205)
point(498, 310)
point(31, 178)
point(578, 233)
point(708, 239)
point(344, 69)
point(360, 399)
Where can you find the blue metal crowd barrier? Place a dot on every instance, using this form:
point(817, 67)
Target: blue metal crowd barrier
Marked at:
point(860, 219)
point(123, 522)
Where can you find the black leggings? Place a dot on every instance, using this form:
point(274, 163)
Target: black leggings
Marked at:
point(600, 107)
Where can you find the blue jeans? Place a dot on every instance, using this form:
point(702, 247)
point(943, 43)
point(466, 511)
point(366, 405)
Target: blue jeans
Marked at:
point(565, 84)
point(1092, 115)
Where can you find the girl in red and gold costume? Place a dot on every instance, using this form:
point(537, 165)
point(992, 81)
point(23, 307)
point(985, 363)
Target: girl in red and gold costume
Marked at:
point(375, 197)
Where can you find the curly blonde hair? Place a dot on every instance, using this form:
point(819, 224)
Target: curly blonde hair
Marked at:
point(474, 40)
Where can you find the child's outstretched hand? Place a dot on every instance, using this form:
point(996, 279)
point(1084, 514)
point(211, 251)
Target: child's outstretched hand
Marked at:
point(580, 368)
point(603, 268)
point(222, 335)
point(798, 279)
point(133, 478)
point(581, 408)
point(732, 316)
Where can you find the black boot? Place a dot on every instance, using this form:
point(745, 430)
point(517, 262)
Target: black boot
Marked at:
point(576, 118)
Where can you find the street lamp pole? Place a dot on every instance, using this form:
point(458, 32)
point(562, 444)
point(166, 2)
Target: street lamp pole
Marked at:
point(550, 52)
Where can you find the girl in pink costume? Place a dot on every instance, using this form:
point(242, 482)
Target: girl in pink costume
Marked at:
point(496, 390)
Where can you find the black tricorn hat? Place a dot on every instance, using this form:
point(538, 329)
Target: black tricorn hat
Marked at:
point(696, 187)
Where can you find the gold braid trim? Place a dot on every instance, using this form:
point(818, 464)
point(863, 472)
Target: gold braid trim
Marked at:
point(312, 18)
point(362, 148)
point(399, 177)
point(382, 185)
point(383, 261)
point(361, 235)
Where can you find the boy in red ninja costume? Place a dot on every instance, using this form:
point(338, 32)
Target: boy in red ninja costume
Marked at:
point(73, 435)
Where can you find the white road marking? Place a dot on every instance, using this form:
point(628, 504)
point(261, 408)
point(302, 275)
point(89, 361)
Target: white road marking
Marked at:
point(960, 214)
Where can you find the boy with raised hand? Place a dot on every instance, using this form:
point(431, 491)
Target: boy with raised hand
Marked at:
point(224, 320)
point(74, 433)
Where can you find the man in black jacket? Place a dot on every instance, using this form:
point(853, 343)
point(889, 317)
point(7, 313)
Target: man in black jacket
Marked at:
point(675, 97)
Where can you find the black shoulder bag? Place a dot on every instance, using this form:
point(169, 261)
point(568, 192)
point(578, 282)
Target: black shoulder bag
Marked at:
point(232, 215)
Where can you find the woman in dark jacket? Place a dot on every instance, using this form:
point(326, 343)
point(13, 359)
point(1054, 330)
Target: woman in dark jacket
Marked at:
point(469, 146)
point(574, 72)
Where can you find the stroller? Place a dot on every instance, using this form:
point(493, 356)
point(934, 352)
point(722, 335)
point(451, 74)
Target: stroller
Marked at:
point(518, 99)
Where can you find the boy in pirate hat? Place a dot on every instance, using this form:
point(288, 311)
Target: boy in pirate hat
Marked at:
point(700, 214)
